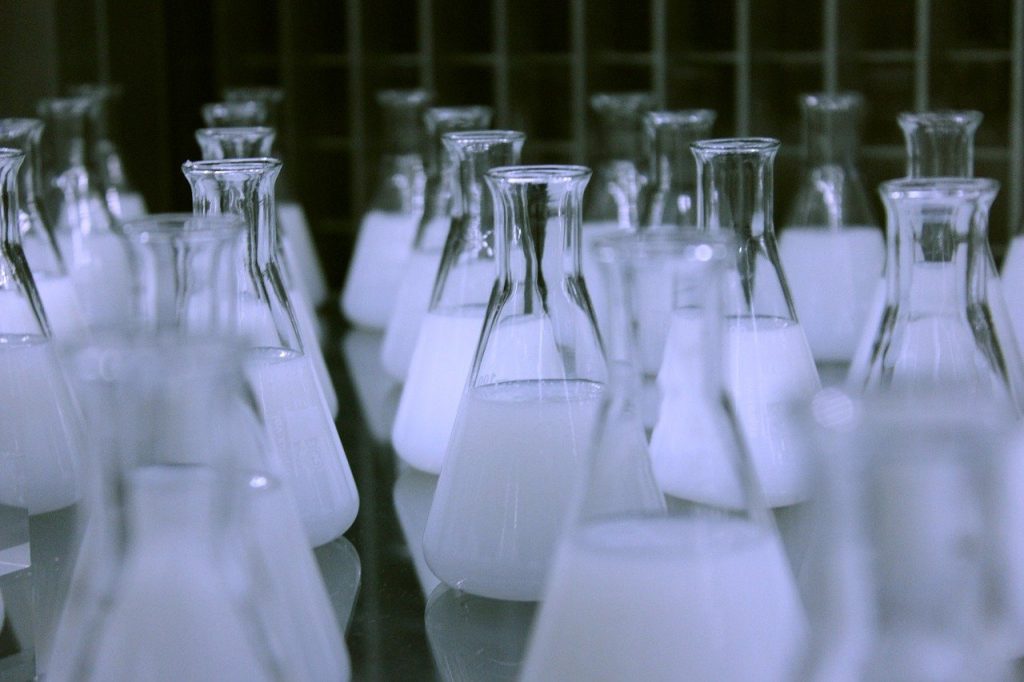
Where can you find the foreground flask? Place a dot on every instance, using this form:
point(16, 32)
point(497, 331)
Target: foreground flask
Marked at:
point(387, 229)
point(87, 233)
point(44, 258)
point(256, 142)
point(299, 247)
point(675, 573)
point(530, 401)
point(448, 338)
point(832, 248)
point(123, 200)
point(421, 271)
point(938, 326)
point(280, 370)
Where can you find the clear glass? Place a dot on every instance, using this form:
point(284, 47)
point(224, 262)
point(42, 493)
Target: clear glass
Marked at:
point(421, 270)
point(671, 567)
point(279, 368)
point(240, 143)
point(831, 247)
point(387, 230)
point(532, 396)
point(299, 246)
point(447, 338)
point(123, 200)
point(767, 360)
point(37, 240)
point(669, 197)
point(938, 325)
point(180, 538)
point(87, 233)
point(235, 114)
point(908, 523)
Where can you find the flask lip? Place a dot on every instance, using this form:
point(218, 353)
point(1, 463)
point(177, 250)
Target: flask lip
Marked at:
point(404, 98)
point(539, 174)
point(234, 131)
point(10, 153)
point(832, 101)
point(465, 137)
point(255, 93)
point(169, 227)
point(444, 114)
point(940, 118)
point(64, 106)
point(734, 145)
point(679, 118)
point(251, 166)
point(16, 127)
point(635, 101)
point(939, 188)
point(252, 112)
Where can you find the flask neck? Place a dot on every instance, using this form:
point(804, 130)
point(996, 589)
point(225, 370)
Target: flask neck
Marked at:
point(25, 134)
point(940, 144)
point(830, 138)
point(402, 183)
point(671, 193)
point(734, 187)
point(10, 163)
point(620, 129)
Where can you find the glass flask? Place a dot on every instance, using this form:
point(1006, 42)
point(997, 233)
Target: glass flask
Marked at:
point(938, 326)
point(767, 360)
point(280, 371)
point(447, 339)
point(44, 258)
point(123, 200)
point(386, 233)
point(86, 232)
point(299, 247)
point(832, 248)
point(530, 400)
point(908, 568)
point(234, 114)
point(673, 571)
point(184, 543)
point(421, 270)
point(255, 142)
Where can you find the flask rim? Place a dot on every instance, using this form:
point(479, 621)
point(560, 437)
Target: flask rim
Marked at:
point(733, 145)
point(253, 165)
point(846, 100)
point(539, 174)
point(166, 227)
point(439, 114)
point(623, 101)
point(939, 188)
point(970, 118)
point(72, 105)
point(252, 110)
point(11, 153)
point(16, 127)
point(234, 131)
point(410, 97)
point(664, 118)
point(470, 136)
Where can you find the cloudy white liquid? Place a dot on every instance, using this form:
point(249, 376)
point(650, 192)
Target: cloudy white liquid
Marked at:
point(382, 250)
point(300, 251)
point(410, 308)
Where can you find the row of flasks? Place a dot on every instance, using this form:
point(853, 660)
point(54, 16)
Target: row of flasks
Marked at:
point(166, 372)
point(608, 385)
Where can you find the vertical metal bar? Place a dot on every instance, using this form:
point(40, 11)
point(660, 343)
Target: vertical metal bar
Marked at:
point(830, 45)
point(357, 105)
point(922, 52)
point(425, 26)
point(499, 22)
point(102, 42)
point(287, 74)
point(743, 66)
point(659, 51)
point(578, 33)
point(1016, 170)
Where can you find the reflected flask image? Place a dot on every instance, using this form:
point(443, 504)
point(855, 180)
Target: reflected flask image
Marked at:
point(49, 270)
point(387, 230)
point(279, 368)
point(439, 196)
point(671, 571)
point(241, 142)
point(939, 326)
point(530, 401)
point(831, 246)
point(448, 338)
point(767, 360)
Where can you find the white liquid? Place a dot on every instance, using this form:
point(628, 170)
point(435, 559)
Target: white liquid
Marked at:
point(376, 392)
point(410, 308)
point(767, 364)
point(101, 272)
point(382, 249)
point(502, 499)
point(591, 233)
point(61, 306)
point(668, 599)
point(38, 436)
point(430, 400)
point(303, 433)
point(305, 319)
point(414, 491)
point(300, 251)
point(132, 206)
point(832, 275)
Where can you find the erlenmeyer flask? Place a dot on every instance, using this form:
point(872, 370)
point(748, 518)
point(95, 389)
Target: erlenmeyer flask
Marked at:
point(299, 247)
point(531, 398)
point(234, 114)
point(86, 232)
point(448, 338)
point(123, 200)
point(44, 258)
point(255, 142)
point(177, 551)
point(767, 360)
point(938, 325)
point(676, 573)
point(385, 235)
point(832, 248)
point(421, 271)
point(281, 374)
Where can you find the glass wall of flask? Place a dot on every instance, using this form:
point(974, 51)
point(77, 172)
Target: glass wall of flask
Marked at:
point(534, 387)
point(670, 567)
point(450, 332)
point(279, 368)
point(435, 224)
point(388, 228)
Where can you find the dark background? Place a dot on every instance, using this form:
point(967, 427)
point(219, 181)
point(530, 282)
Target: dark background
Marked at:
point(535, 61)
